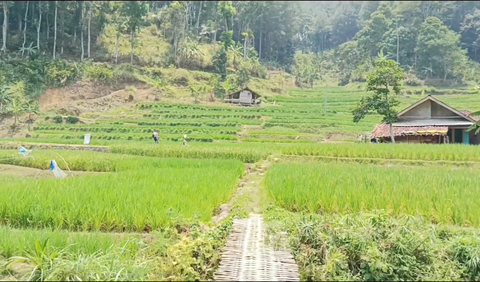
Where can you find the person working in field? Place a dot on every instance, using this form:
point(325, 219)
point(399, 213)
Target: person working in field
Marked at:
point(155, 136)
point(185, 140)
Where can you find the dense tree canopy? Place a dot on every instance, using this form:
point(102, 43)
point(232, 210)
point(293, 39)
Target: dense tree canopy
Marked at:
point(435, 39)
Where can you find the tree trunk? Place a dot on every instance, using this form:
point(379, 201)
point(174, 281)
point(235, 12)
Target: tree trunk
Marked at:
point(392, 137)
point(82, 56)
point(398, 45)
point(39, 25)
point(62, 33)
point(260, 43)
point(74, 36)
point(55, 30)
point(198, 18)
point(25, 29)
point(133, 40)
point(245, 48)
point(48, 24)
point(116, 48)
point(5, 27)
point(215, 35)
point(445, 71)
point(88, 27)
point(20, 24)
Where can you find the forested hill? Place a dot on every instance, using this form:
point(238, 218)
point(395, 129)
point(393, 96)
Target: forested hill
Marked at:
point(435, 42)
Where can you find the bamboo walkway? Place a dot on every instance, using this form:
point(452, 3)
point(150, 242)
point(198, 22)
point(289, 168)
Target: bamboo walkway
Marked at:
point(246, 257)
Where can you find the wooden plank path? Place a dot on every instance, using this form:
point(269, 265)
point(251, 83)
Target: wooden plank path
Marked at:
point(246, 257)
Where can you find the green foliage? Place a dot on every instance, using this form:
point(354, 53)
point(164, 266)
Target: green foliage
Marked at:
point(243, 76)
point(59, 73)
point(377, 247)
point(72, 120)
point(437, 48)
point(98, 72)
point(387, 76)
point(181, 77)
point(220, 62)
point(57, 119)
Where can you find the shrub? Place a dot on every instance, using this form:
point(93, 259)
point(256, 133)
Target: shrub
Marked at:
point(181, 77)
point(57, 119)
point(125, 73)
point(98, 72)
point(59, 73)
point(412, 80)
point(72, 119)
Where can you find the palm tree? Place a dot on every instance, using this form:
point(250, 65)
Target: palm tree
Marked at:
point(30, 49)
point(31, 107)
point(235, 53)
point(196, 91)
point(158, 86)
point(17, 93)
point(189, 51)
point(5, 97)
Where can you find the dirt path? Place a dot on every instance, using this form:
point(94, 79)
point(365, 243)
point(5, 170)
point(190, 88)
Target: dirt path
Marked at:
point(246, 256)
point(247, 193)
point(21, 171)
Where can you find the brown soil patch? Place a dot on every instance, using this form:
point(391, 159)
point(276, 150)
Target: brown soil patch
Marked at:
point(86, 96)
point(20, 171)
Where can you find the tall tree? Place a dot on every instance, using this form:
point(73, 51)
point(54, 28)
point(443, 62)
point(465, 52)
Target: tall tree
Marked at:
point(5, 26)
point(385, 82)
point(55, 31)
point(25, 29)
point(438, 48)
point(39, 23)
point(134, 12)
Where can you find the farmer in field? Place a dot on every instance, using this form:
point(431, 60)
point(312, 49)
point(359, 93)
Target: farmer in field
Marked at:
point(155, 136)
point(185, 140)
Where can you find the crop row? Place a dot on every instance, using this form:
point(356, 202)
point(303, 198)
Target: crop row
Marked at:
point(426, 152)
point(125, 129)
point(197, 116)
point(130, 137)
point(244, 154)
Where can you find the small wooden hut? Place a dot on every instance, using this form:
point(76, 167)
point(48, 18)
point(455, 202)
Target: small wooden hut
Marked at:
point(243, 97)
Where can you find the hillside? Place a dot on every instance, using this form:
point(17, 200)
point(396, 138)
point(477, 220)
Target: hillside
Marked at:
point(285, 185)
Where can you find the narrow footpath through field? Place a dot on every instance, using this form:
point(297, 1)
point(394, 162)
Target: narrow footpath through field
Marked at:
point(246, 256)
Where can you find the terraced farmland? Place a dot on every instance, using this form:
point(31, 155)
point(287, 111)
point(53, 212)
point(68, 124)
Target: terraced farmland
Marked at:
point(145, 211)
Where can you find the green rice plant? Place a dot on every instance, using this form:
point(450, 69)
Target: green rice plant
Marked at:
point(427, 152)
point(442, 194)
point(139, 198)
point(246, 155)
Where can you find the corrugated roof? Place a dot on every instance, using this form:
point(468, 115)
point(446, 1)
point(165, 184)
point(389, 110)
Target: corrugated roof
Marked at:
point(383, 130)
point(434, 122)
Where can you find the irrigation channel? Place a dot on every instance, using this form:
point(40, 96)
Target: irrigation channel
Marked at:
point(246, 256)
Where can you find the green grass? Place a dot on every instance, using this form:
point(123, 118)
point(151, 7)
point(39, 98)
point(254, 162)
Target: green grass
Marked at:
point(144, 195)
point(442, 194)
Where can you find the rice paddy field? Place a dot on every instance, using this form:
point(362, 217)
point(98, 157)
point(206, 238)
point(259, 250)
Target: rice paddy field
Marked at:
point(143, 211)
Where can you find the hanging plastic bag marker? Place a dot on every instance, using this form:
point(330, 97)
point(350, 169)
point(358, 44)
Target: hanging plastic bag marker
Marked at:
point(56, 170)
